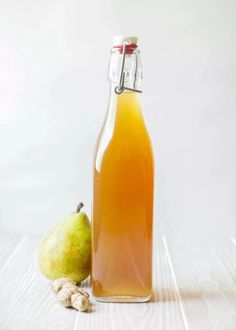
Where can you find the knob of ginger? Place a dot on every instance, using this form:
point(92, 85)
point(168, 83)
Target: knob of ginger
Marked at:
point(58, 284)
point(69, 295)
point(80, 302)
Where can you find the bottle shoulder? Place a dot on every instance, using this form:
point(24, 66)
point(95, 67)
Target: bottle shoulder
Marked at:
point(123, 146)
point(124, 133)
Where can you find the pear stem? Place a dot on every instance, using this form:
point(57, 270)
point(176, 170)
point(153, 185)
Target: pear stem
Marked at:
point(79, 207)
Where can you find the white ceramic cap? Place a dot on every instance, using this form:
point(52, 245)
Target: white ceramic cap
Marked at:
point(119, 40)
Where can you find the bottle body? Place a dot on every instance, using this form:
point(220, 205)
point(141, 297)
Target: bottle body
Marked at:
point(123, 205)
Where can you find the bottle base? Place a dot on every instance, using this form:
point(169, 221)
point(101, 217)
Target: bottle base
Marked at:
point(123, 299)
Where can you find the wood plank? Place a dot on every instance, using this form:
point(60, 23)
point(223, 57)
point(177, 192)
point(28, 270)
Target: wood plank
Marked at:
point(26, 301)
point(8, 245)
point(205, 273)
point(163, 312)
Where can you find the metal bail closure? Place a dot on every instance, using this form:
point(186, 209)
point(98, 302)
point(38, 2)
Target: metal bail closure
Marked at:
point(120, 88)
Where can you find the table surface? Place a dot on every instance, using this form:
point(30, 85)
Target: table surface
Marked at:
point(194, 289)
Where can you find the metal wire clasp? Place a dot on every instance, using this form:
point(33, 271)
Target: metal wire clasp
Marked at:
point(120, 88)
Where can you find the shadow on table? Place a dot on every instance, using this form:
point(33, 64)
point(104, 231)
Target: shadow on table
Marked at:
point(170, 294)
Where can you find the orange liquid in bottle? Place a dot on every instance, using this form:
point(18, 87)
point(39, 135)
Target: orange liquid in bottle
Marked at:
point(123, 206)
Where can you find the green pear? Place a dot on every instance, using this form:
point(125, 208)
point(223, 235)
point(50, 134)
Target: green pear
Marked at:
point(66, 250)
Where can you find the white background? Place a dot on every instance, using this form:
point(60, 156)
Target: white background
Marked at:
point(54, 56)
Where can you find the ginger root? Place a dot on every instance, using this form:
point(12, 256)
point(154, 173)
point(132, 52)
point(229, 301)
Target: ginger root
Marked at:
point(69, 295)
point(80, 302)
point(58, 284)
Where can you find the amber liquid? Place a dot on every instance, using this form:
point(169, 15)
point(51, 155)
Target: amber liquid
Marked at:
point(123, 206)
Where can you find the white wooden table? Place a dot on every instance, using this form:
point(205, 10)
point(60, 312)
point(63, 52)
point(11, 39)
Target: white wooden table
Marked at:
point(194, 289)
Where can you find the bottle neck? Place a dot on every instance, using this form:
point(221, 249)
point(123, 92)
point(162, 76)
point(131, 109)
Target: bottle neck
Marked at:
point(132, 69)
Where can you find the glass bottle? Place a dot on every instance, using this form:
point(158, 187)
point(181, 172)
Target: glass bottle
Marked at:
point(123, 187)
